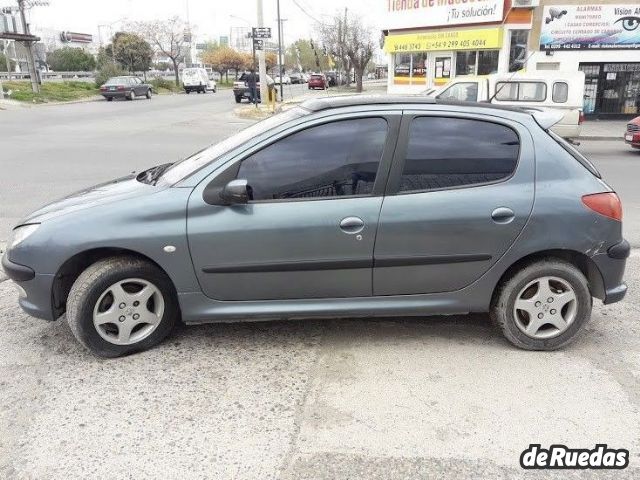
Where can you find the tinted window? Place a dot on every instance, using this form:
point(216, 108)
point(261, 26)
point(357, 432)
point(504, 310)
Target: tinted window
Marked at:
point(335, 159)
point(452, 152)
point(560, 92)
point(466, 92)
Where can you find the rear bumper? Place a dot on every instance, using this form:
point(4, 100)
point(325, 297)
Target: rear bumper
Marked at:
point(114, 94)
point(612, 265)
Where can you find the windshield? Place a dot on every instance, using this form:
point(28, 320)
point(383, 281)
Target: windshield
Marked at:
point(117, 80)
point(195, 162)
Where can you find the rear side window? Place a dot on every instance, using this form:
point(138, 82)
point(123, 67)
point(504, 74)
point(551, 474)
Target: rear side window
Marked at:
point(455, 152)
point(521, 91)
point(584, 161)
point(560, 92)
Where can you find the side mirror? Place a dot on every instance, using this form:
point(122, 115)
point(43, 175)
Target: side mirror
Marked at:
point(236, 191)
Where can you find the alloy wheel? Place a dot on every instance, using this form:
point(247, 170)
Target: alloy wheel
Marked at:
point(545, 308)
point(128, 311)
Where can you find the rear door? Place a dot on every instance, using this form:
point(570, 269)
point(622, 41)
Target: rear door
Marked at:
point(460, 191)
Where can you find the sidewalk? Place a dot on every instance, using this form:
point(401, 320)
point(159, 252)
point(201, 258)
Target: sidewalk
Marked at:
point(603, 129)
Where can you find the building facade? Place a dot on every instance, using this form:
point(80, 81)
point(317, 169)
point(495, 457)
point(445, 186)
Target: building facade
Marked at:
point(602, 39)
point(429, 42)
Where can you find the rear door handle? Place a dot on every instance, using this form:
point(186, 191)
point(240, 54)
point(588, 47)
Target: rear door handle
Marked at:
point(503, 215)
point(352, 225)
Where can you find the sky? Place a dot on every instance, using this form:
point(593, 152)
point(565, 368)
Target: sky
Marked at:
point(209, 18)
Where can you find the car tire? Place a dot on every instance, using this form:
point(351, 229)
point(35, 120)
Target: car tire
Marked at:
point(187, 92)
point(109, 99)
point(538, 287)
point(132, 95)
point(238, 99)
point(92, 289)
point(148, 94)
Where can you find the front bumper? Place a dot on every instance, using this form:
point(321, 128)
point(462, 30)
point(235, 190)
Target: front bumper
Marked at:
point(34, 289)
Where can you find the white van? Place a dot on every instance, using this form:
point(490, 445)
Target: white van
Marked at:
point(554, 90)
point(197, 80)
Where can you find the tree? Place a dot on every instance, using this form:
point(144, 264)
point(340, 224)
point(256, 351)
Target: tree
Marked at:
point(168, 37)
point(271, 59)
point(69, 59)
point(3, 63)
point(349, 40)
point(224, 59)
point(133, 52)
point(302, 55)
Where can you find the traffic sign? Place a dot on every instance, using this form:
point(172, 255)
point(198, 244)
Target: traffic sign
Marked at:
point(258, 44)
point(261, 32)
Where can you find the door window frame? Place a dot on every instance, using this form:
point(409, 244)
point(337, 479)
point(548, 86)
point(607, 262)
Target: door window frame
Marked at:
point(229, 171)
point(400, 157)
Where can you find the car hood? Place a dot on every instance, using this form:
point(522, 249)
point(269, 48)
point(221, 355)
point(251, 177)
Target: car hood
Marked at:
point(111, 191)
point(635, 121)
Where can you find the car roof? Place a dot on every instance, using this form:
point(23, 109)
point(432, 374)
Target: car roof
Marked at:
point(338, 101)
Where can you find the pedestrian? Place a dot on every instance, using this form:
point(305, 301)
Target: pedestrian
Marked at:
point(252, 82)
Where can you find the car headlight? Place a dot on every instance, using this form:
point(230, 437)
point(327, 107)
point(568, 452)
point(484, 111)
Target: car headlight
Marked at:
point(20, 234)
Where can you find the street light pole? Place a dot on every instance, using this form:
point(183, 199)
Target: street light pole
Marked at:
point(281, 67)
point(264, 92)
point(35, 85)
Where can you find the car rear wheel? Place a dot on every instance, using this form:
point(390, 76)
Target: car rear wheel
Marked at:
point(109, 99)
point(148, 95)
point(543, 306)
point(238, 99)
point(121, 305)
point(132, 95)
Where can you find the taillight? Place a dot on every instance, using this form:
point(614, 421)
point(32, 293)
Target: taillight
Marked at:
point(120, 87)
point(582, 118)
point(607, 204)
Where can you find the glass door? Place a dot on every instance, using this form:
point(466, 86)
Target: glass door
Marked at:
point(443, 63)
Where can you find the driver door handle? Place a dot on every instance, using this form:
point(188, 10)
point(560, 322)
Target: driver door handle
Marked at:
point(503, 215)
point(352, 225)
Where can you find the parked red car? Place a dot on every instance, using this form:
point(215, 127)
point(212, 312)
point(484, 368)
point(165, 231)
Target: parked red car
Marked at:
point(318, 80)
point(632, 135)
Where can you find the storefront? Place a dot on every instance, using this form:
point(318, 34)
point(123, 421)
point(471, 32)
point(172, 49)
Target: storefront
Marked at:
point(429, 42)
point(603, 41)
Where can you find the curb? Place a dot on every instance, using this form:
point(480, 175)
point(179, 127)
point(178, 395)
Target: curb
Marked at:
point(596, 138)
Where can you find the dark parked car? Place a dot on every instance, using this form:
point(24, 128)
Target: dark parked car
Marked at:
point(241, 87)
point(340, 207)
point(318, 81)
point(296, 78)
point(125, 87)
point(632, 134)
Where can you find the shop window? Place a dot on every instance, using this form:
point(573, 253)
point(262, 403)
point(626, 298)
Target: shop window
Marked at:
point(466, 63)
point(521, 91)
point(411, 66)
point(518, 49)
point(487, 62)
point(560, 92)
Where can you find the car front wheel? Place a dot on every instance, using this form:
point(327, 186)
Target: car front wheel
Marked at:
point(543, 306)
point(121, 305)
point(148, 94)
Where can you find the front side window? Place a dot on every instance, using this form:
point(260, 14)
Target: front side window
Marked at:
point(453, 152)
point(464, 92)
point(332, 160)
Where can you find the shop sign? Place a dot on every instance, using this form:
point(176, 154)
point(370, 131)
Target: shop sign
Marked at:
point(401, 14)
point(475, 39)
point(590, 27)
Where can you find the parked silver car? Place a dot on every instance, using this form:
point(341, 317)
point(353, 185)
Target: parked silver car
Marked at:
point(341, 207)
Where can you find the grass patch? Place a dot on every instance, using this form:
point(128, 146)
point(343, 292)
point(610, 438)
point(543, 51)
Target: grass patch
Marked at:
point(50, 91)
point(162, 85)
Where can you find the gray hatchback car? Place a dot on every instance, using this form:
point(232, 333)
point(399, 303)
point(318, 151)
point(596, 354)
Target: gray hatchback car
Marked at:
point(342, 207)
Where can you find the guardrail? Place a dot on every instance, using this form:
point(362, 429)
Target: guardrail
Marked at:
point(47, 75)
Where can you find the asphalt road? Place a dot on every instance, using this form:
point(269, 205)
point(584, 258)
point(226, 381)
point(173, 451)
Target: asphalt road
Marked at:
point(442, 397)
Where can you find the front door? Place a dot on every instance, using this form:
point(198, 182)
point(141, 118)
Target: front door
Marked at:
point(309, 230)
point(460, 191)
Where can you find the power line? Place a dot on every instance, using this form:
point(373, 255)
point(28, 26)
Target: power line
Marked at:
point(302, 9)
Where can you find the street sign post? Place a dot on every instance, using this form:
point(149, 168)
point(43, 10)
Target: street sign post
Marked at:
point(261, 32)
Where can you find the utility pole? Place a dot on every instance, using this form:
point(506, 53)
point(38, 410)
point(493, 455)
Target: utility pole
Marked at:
point(35, 84)
point(280, 65)
point(264, 92)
